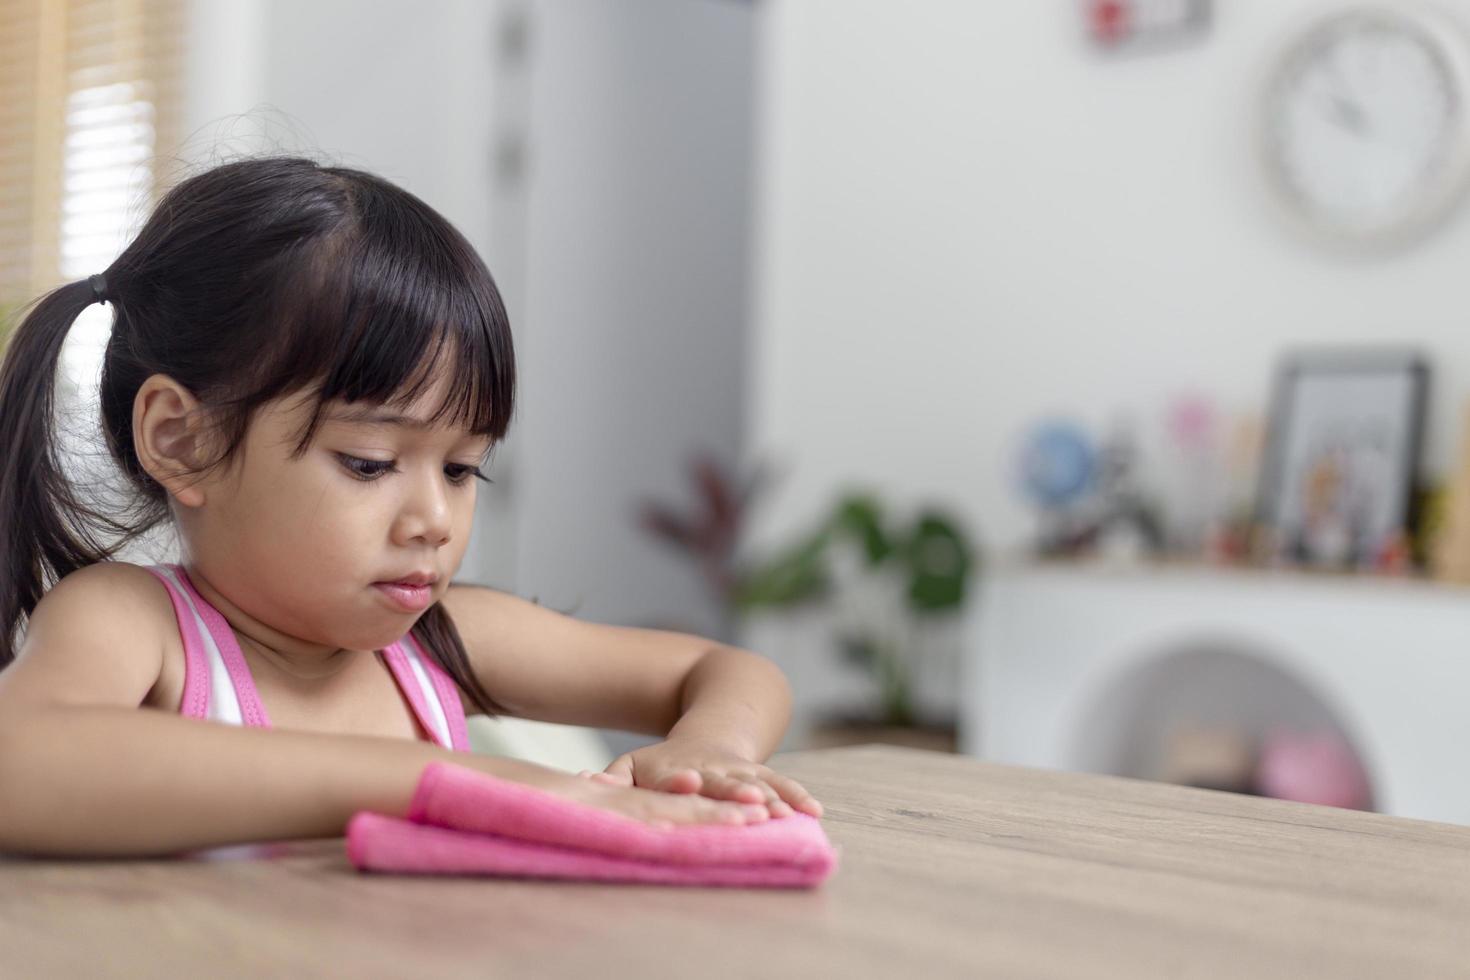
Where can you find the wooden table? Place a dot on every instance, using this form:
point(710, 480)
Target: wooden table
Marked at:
point(950, 868)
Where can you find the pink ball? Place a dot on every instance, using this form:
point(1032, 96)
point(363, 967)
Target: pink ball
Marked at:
point(1312, 768)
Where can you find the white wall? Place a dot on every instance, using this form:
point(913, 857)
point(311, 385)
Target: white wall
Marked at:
point(636, 285)
point(404, 92)
point(967, 220)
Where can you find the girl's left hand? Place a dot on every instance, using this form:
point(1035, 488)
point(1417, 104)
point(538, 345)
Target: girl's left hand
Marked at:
point(682, 765)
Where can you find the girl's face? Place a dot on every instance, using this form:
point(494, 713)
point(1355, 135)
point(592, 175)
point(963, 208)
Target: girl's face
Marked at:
point(302, 546)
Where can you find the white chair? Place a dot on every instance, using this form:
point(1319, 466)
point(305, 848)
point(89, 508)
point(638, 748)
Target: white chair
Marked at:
point(566, 747)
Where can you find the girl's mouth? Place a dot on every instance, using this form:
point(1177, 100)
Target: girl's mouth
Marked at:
point(406, 597)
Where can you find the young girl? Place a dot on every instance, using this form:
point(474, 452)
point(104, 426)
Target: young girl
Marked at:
point(307, 369)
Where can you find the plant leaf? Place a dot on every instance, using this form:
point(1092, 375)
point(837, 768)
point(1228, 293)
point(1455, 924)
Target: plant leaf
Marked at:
point(798, 576)
point(939, 559)
point(860, 516)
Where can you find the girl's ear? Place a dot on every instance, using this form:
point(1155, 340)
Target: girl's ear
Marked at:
point(169, 437)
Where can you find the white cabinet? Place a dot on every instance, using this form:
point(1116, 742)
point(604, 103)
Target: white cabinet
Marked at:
point(1076, 666)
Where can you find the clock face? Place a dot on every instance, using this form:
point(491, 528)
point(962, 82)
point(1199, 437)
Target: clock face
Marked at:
point(1364, 129)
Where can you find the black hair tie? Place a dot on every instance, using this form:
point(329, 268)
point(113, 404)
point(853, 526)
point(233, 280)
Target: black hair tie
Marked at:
point(99, 289)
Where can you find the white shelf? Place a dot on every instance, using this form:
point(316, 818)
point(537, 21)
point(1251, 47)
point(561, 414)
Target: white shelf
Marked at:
point(1051, 648)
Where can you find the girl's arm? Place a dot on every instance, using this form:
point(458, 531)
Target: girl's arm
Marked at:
point(545, 666)
point(721, 710)
point(82, 780)
point(85, 771)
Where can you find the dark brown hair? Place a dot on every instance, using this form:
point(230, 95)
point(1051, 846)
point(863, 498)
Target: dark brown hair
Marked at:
point(250, 281)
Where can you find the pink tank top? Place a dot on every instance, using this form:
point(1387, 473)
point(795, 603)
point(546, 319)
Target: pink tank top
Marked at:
point(218, 686)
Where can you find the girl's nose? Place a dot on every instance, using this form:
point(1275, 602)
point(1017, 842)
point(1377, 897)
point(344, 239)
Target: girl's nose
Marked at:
point(426, 514)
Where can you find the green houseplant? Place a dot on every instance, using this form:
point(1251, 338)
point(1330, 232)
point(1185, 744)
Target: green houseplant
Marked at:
point(880, 578)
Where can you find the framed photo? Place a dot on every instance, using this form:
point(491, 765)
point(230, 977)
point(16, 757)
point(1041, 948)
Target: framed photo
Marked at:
point(1337, 484)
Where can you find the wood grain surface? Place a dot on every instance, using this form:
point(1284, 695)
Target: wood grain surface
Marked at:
point(950, 868)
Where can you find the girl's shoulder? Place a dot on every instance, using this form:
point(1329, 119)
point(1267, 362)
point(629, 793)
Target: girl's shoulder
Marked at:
point(97, 636)
point(110, 584)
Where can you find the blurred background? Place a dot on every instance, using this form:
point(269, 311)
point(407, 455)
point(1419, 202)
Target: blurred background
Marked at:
point(1071, 383)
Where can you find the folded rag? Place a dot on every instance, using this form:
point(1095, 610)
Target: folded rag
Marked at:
point(463, 821)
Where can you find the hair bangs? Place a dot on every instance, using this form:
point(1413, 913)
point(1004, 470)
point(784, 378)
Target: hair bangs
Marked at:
point(401, 303)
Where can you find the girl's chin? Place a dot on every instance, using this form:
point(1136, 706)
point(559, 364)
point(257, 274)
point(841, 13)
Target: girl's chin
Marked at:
point(379, 627)
point(372, 631)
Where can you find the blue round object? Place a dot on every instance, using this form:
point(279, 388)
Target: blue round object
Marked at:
point(1057, 465)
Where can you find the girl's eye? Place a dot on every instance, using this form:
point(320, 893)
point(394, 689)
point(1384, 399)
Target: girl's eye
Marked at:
point(366, 469)
point(460, 474)
point(371, 469)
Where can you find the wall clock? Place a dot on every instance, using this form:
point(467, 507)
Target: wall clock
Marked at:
point(1363, 129)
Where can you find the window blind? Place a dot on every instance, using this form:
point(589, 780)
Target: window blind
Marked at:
point(90, 101)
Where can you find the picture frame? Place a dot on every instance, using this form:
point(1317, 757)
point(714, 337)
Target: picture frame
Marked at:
point(1345, 433)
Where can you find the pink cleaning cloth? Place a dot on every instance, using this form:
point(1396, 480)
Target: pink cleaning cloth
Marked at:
point(466, 822)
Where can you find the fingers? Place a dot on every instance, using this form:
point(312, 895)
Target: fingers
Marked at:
point(777, 806)
point(664, 809)
point(781, 795)
point(680, 781)
point(775, 795)
point(793, 793)
point(774, 802)
point(738, 789)
point(746, 788)
point(677, 781)
point(667, 809)
point(730, 787)
point(620, 770)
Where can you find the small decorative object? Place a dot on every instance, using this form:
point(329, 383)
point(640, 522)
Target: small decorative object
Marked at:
point(1363, 131)
point(1137, 25)
point(1395, 555)
point(1230, 540)
point(1128, 522)
point(1210, 758)
point(1448, 529)
point(1056, 472)
point(1193, 467)
point(1057, 465)
point(1089, 499)
point(1337, 487)
point(1316, 768)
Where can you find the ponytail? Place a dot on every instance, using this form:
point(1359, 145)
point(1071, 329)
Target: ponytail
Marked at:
point(46, 532)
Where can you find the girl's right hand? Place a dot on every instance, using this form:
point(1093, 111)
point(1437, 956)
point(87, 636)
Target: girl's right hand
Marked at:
point(651, 806)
